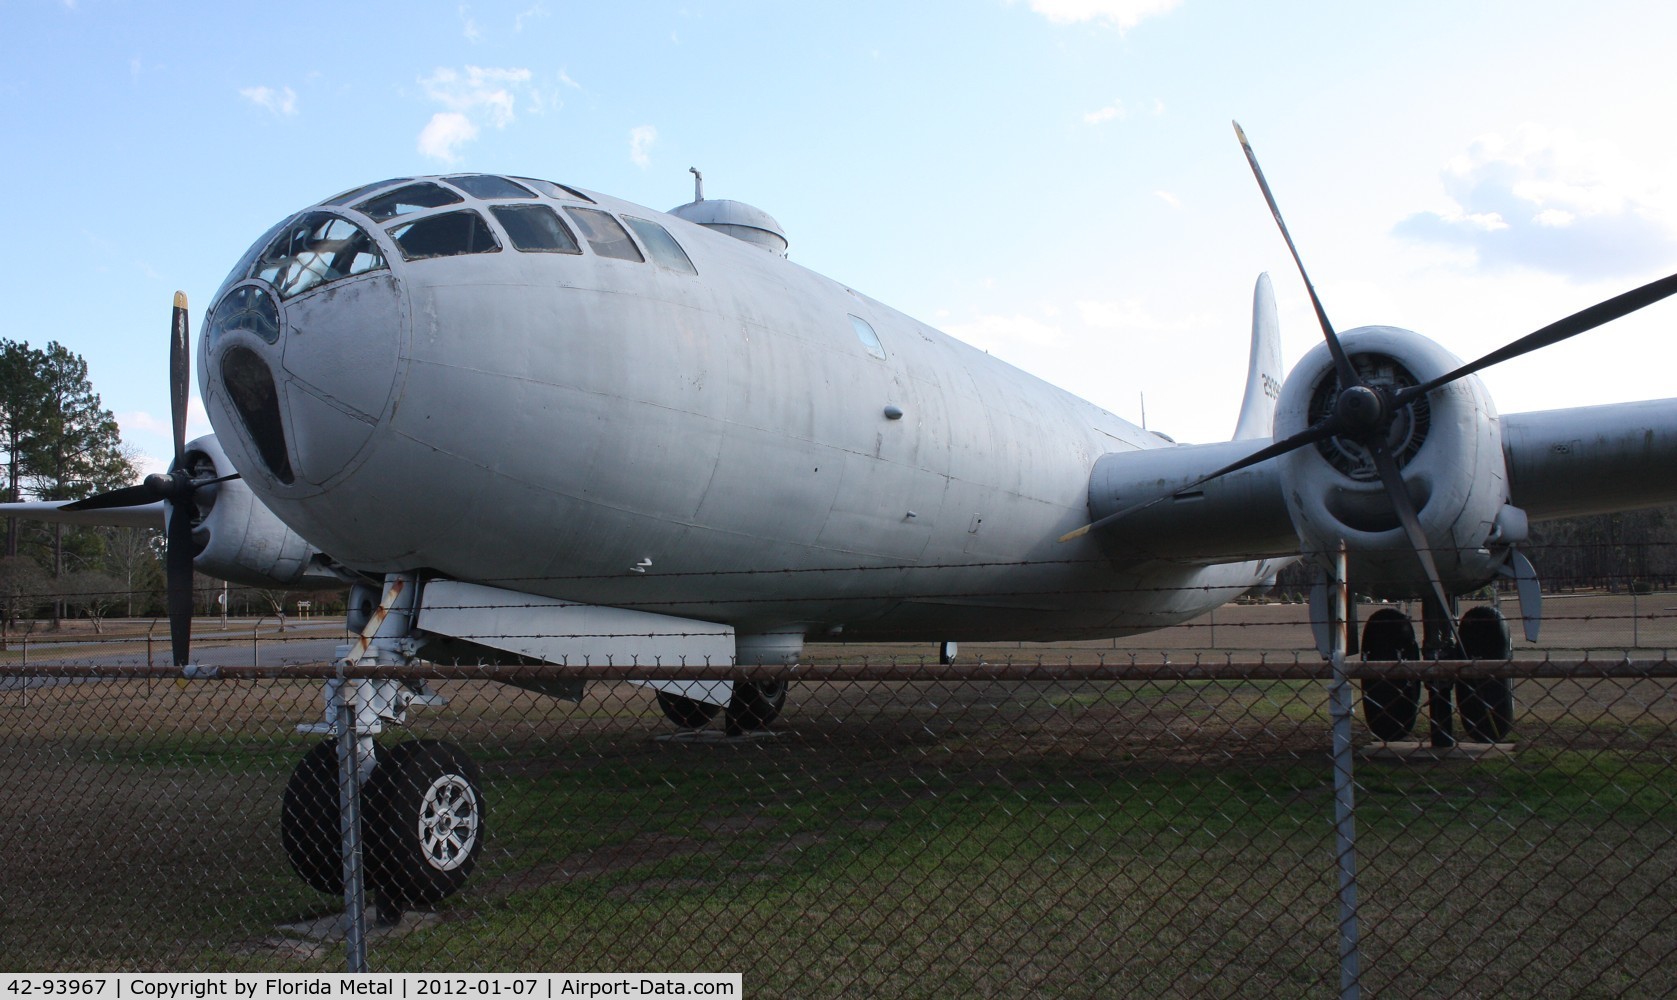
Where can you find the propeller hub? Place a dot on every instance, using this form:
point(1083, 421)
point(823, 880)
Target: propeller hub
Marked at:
point(1360, 411)
point(173, 486)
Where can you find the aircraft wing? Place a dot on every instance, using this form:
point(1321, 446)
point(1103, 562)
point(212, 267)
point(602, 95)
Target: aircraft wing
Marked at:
point(1592, 459)
point(148, 516)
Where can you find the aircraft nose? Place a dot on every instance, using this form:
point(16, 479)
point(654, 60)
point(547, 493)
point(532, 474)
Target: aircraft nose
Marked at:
point(301, 353)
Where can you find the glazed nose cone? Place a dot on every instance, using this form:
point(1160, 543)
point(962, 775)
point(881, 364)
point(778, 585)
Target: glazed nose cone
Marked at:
point(301, 355)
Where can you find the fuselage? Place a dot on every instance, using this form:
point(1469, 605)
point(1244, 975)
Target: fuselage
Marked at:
point(416, 377)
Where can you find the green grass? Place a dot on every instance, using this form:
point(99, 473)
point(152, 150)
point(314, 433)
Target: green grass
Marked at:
point(1147, 840)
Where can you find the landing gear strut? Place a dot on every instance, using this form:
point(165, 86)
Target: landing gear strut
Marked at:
point(421, 806)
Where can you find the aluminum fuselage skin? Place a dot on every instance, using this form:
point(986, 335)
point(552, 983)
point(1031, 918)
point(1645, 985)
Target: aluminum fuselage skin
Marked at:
point(715, 446)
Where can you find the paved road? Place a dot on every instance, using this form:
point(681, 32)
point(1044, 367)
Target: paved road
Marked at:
point(299, 644)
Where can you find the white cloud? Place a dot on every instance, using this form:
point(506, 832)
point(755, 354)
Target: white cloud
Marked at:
point(468, 25)
point(1552, 201)
point(282, 102)
point(1121, 14)
point(641, 138)
point(471, 98)
point(1106, 114)
point(529, 13)
point(1169, 199)
point(444, 134)
point(1128, 314)
point(479, 91)
point(565, 78)
point(1008, 336)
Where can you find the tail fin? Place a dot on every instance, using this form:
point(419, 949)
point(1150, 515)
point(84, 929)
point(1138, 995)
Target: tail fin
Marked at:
point(1263, 374)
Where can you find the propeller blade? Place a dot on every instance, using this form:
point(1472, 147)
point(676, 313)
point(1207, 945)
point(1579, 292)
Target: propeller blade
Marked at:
point(180, 374)
point(1341, 361)
point(137, 495)
point(1579, 322)
point(178, 574)
point(1309, 435)
point(1392, 478)
point(178, 554)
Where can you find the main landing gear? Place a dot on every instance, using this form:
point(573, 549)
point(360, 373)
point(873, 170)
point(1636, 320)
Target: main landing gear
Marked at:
point(753, 705)
point(1392, 707)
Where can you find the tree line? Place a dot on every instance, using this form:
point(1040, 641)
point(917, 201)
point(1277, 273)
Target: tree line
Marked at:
point(59, 442)
point(1636, 551)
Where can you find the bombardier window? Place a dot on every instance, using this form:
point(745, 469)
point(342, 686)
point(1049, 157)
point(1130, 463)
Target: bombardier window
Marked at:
point(488, 186)
point(869, 339)
point(604, 234)
point(247, 307)
point(553, 190)
point(661, 245)
point(407, 200)
point(535, 228)
point(446, 235)
point(315, 249)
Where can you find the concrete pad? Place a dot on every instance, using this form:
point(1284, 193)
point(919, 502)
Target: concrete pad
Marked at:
point(320, 936)
point(1416, 750)
point(718, 737)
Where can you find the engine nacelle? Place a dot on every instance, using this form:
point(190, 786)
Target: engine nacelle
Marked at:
point(238, 539)
point(1448, 445)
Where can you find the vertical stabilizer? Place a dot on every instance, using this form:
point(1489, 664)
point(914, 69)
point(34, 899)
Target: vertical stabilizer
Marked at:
point(1263, 371)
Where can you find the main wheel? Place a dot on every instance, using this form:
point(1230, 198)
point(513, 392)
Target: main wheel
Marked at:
point(688, 713)
point(1390, 707)
point(425, 815)
point(309, 817)
point(1486, 706)
point(754, 705)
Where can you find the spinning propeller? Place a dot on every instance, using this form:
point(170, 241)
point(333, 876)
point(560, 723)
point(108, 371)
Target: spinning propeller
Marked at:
point(175, 488)
point(1363, 413)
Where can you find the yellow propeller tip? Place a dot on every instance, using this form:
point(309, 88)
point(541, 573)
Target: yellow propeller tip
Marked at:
point(180, 300)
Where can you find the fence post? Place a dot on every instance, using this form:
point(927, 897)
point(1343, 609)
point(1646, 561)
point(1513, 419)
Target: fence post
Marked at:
point(349, 813)
point(1344, 789)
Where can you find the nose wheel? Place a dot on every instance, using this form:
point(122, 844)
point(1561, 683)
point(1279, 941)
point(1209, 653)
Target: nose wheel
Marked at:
point(423, 822)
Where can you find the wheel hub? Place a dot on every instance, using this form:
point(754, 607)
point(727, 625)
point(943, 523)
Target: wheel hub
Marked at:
point(448, 822)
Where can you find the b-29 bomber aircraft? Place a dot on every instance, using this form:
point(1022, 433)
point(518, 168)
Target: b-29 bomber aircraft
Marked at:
point(522, 419)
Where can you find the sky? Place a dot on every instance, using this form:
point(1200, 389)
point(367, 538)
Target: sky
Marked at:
point(1055, 181)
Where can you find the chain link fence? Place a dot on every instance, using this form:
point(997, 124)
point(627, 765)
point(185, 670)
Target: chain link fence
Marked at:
point(1153, 817)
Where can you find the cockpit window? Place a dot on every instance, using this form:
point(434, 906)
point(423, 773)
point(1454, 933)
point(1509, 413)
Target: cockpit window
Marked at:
point(604, 234)
point(354, 193)
point(488, 186)
point(315, 249)
point(445, 235)
point(535, 228)
point(553, 190)
point(408, 199)
point(869, 339)
point(661, 245)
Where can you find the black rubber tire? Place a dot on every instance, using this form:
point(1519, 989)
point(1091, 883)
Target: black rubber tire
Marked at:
point(1390, 707)
point(309, 817)
point(1486, 706)
point(754, 705)
point(688, 713)
point(425, 823)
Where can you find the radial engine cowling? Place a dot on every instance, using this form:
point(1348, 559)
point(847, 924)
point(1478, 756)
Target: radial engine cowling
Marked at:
point(236, 538)
point(1448, 445)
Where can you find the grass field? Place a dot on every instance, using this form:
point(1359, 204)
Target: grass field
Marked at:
point(905, 839)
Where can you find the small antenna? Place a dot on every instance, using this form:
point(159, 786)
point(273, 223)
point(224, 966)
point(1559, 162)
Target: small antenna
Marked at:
point(1144, 411)
point(698, 184)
